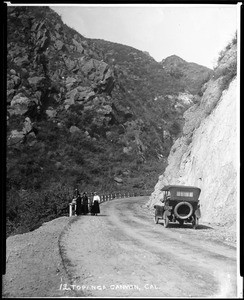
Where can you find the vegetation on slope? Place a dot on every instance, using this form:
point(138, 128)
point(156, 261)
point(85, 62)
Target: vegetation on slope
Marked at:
point(81, 112)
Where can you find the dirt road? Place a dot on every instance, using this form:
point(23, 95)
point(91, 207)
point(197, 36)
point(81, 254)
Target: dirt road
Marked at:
point(122, 253)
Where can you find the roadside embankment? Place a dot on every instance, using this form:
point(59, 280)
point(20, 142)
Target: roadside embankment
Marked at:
point(34, 266)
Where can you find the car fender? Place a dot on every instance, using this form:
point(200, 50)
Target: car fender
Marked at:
point(167, 213)
point(159, 210)
point(198, 213)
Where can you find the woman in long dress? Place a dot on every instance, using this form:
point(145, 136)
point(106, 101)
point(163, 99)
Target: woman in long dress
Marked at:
point(96, 207)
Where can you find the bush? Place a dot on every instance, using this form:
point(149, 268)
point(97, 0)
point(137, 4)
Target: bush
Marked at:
point(175, 128)
point(228, 46)
point(27, 210)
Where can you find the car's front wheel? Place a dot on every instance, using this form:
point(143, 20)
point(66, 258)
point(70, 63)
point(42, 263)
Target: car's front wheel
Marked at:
point(156, 220)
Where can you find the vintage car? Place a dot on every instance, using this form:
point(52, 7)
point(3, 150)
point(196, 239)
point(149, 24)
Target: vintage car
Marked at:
point(180, 203)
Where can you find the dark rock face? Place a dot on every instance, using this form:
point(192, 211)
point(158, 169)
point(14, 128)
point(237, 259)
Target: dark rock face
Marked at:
point(98, 108)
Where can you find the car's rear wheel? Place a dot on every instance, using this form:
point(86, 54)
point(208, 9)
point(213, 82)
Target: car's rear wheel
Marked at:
point(166, 222)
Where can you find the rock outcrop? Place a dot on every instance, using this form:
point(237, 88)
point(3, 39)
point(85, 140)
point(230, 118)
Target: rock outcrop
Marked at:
point(102, 88)
point(206, 155)
point(95, 110)
point(191, 75)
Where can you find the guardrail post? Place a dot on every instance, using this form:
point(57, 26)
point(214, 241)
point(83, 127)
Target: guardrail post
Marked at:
point(70, 209)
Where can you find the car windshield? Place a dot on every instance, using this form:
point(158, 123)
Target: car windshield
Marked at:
point(166, 195)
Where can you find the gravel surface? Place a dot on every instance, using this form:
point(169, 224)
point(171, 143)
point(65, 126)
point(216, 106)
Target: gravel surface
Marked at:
point(34, 266)
point(120, 253)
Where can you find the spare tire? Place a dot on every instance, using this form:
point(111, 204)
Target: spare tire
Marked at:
point(183, 210)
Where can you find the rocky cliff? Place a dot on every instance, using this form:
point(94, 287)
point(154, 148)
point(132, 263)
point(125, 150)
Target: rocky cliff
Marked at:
point(60, 84)
point(206, 155)
point(83, 113)
point(189, 74)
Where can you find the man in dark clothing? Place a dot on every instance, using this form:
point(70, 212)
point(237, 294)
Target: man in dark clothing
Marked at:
point(78, 205)
point(85, 203)
point(90, 202)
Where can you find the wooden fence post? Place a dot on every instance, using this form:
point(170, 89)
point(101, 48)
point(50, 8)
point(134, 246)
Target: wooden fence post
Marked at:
point(70, 209)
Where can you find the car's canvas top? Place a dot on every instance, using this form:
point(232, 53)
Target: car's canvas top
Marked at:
point(183, 192)
point(168, 187)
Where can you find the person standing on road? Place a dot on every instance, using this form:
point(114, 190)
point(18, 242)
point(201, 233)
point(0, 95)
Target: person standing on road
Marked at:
point(74, 201)
point(96, 201)
point(90, 202)
point(85, 203)
point(78, 204)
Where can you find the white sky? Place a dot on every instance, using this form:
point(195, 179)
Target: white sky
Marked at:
point(195, 33)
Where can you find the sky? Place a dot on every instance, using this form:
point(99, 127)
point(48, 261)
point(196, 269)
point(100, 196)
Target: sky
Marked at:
point(194, 33)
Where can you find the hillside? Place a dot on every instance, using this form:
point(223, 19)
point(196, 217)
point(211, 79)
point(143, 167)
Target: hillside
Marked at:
point(191, 75)
point(81, 113)
point(206, 153)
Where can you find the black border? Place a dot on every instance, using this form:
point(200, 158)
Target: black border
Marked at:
point(3, 113)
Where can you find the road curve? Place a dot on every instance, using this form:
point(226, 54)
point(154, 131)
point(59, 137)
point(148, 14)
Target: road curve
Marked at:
point(123, 253)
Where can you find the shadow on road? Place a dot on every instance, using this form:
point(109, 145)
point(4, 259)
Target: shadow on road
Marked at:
point(99, 215)
point(189, 226)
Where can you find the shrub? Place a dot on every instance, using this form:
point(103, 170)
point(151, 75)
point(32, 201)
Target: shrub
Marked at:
point(175, 128)
point(27, 210)
point(228, 46)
